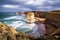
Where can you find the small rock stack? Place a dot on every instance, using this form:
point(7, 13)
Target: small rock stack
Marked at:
point(30, 17)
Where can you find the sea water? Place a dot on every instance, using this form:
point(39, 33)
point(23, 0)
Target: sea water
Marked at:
point(11, 19)
point(18, 22)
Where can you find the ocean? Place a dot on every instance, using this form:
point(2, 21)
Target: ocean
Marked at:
point(6, 14)
point(17, 21)
point(12, 19)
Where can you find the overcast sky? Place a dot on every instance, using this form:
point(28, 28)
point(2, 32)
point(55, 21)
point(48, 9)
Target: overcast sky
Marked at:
point(29, 5)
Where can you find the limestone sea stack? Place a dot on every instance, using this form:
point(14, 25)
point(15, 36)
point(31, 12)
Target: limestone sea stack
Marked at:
point(30, 17)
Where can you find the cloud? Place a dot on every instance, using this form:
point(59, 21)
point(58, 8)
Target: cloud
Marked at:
point(16, 8)
point(30, 2)
point(47, 7)
point(10, 6)
point(35, 2)
point(44, 8)
point(30, 5)
point(25, 9)
point(19, 0)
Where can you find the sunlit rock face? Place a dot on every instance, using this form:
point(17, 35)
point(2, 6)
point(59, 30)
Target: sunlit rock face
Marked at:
point(30, 17)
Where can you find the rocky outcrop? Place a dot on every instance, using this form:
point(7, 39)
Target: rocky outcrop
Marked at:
point(7, 33)
point(30, 17)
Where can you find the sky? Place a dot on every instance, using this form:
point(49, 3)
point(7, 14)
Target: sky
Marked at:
point(29, 5)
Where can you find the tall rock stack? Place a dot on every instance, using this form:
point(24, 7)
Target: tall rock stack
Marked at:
point(30, 17)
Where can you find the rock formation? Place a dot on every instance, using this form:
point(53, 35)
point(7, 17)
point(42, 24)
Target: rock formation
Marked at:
point(30, 17)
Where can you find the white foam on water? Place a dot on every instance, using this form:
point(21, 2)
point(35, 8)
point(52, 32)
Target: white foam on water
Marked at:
point(25, 25)
point(30, 27)
point(14, 24)
point(14, 17)
point(17, 23)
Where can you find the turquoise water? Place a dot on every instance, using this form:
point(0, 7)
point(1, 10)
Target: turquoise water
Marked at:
point(17, 21)
point(11, 19)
